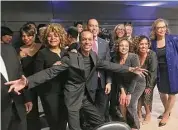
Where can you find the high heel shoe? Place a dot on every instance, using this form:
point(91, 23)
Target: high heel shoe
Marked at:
point(161, 124)
point(164, 122)
point(161, 116)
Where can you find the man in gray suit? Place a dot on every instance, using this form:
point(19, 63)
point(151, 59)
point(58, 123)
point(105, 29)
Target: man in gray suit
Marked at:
point(81, 84)
point(101, 47)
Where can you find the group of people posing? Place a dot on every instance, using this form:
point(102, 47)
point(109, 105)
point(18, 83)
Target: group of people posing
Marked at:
point(82, 79)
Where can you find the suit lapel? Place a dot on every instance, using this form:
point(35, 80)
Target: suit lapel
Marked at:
point(93, 57)
point(80, 61)
point(99, 45)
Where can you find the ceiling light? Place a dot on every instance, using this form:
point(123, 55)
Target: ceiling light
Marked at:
point(152, 4)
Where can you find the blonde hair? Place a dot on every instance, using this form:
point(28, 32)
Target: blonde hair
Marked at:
point(41, 33)
point(115, 37)
point(153, 28)
point(57, 28)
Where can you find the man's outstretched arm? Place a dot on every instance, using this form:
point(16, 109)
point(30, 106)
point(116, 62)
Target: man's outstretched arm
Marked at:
point(114, 67)
point(45, 75)
point(38, 78)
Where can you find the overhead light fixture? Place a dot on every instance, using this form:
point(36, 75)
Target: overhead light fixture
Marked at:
point(152, 4)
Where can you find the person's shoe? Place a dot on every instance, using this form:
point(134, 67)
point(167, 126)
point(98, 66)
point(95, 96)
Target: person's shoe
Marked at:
point(163, 121)
point(161, 116)
point(161, 124)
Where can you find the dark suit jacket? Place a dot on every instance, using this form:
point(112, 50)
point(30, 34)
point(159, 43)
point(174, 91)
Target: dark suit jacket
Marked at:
point(104, 54)
point(14, 71)
point(76, 83)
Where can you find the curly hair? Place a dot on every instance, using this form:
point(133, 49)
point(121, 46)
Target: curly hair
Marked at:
point(117, 43)
point(153, 28)
point(137, 41)
point(56, 28)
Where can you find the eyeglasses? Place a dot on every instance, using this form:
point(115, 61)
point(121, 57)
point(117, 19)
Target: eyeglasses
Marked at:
point(120, 29)
point(159, 28)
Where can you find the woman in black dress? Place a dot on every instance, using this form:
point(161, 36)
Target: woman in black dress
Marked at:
point(27, 55)
point(51, 92)
point(148, 61)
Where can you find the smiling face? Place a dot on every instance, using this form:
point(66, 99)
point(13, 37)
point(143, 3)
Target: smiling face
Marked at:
point(6, 39)
point(27, 39)
point(160, 29)
point(53, 39)
point(80, 28)
point(123, 47)
point(129, 30)
point(86, 41)
point(120, 31)
point(143, 46)
point(93, 27)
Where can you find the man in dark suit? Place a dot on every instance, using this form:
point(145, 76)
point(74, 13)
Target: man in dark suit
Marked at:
point(81, 85)
point(101, 47)
point(13, 113)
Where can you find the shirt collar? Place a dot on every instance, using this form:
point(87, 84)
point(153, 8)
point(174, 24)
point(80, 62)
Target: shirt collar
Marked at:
point(96, 39)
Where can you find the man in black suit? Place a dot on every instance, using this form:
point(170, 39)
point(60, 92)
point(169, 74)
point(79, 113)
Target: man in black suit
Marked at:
point(81, 85)
point(13, 113)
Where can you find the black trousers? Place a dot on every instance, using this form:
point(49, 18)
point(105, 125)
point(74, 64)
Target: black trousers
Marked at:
point(102, 101)
point(33, 120)
point(12, 121)
point(92, 114)
point(55, 111)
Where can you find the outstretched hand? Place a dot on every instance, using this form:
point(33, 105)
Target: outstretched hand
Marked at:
point(17, 85)
point(139, 71)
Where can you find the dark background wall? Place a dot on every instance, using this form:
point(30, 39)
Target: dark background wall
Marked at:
point(14, 14)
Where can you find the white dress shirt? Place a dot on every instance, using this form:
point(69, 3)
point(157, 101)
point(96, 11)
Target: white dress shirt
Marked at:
point(3, 70)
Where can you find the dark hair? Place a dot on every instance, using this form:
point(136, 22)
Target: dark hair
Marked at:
point(77, 22)
point(128, 23)
point(117, 43)
point(92, 19)
point(28, 29)
point(139, 39)
point(72, 31)
point(30, 22)
point(40, 26)
point(6, 31)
